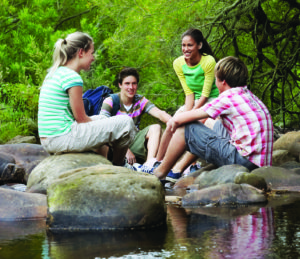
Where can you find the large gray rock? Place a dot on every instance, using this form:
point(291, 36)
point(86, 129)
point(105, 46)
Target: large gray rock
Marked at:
point(224, 194)
point(18, 160)
point(51, 168)
point(15, 205)
point(209, 176)
point(105, 197)
point(279, 178)
point(229, 174)
point(224, 174)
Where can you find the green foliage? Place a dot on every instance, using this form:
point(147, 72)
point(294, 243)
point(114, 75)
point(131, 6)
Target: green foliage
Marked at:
point(18, 111)
point(265, 34)
point(146, 35)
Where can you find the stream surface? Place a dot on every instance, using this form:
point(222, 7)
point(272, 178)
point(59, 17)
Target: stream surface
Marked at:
point(266, 231)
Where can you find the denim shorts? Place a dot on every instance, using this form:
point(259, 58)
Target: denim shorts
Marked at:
point(214, 145)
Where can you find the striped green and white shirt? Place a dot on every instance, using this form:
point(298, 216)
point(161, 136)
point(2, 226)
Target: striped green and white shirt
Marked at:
point(55, 115)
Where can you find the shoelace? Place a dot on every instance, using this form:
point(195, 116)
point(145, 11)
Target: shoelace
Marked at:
point(146, 169)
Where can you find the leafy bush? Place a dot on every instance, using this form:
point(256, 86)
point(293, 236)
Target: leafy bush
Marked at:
point(146, 35)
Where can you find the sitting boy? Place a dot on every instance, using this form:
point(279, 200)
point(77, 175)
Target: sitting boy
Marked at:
point(243, 135)
point(134, 106)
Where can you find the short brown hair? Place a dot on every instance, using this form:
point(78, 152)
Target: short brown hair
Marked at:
point(233, 71)
point(128, 71)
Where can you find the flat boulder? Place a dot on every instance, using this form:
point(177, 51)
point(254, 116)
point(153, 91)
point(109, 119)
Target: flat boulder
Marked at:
point(209, 176)
point(105, 197)
point(51, 168)
point(224, 194)
point(224, 174)
point(15, 205)
point(279, 178)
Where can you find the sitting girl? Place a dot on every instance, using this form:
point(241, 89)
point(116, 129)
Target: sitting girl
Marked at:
point(62, 122)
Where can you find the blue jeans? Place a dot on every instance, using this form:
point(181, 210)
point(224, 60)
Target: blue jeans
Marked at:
point(213, 145)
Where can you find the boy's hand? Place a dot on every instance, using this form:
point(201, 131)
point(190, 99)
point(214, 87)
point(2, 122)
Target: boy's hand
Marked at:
point(172, 125)
point(130, 157)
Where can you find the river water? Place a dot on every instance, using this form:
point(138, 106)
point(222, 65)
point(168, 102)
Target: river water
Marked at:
point(267, 231)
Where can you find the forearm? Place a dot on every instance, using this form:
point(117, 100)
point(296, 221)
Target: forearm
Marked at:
point(159, 114)
point(200, 102)
point(165, 117)
point(190, 116)
point(79, 112)
point(189, 102)
point(76, 103)
point(184, 118)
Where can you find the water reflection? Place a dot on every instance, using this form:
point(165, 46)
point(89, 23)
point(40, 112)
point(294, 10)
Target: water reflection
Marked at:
point(22, 239)
point(216, 233)
point(105, 244)
point(272, 231)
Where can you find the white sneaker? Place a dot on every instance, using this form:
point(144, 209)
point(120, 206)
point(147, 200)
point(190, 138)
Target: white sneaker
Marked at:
point(137, 166)
point(144, 168)
point(150, 162)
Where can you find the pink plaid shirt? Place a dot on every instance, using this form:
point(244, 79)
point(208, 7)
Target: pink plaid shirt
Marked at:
point(248, 122)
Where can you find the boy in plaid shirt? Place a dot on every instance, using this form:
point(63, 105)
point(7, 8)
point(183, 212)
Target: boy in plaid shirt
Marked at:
point(243, 135)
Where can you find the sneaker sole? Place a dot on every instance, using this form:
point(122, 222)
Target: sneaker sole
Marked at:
point(172, 180)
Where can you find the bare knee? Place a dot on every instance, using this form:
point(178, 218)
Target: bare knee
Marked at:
point(180, 130)
point(154, 130)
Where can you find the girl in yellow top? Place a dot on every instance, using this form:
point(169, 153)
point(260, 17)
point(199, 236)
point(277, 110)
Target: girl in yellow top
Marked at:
point(195, 70)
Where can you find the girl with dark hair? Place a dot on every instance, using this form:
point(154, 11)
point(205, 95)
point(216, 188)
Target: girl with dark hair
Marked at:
point(195, 70)
point(62, 122)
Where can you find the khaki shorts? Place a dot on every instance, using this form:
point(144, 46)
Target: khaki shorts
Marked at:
point(138, 147)
point(116, 131)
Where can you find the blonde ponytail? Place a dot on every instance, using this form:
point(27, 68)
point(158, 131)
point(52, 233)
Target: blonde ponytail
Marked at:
point(66, 49)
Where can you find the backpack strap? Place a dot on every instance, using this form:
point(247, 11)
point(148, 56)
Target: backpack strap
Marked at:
point(116, 103)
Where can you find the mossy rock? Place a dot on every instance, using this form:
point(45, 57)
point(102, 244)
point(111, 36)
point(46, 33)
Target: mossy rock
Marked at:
point(105, 198)
point(279, 178)
point(224, 174)
point(53, 167)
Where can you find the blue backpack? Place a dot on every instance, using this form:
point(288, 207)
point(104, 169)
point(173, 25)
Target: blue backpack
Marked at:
point(93, 99)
